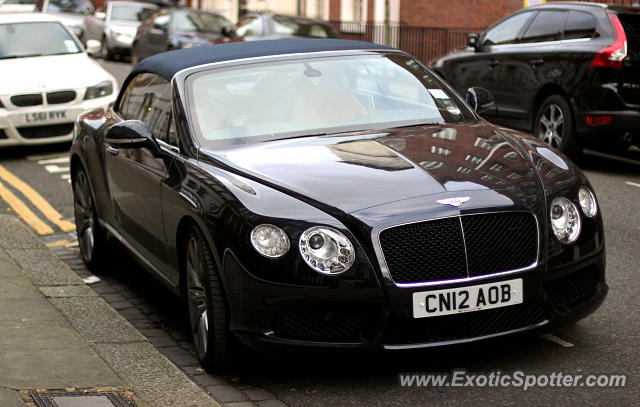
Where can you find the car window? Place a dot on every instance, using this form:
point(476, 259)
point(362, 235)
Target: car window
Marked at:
point(70, 6)
point(250, 26)
point(579, 25)
point(302, 28)
point(20, 40)
point(546, 26)
point(506, 31)
point(148, 98)
point(317, 96)
point(124, 12)
point(198, 22)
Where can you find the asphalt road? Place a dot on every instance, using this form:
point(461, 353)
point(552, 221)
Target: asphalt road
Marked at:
point(607, 342)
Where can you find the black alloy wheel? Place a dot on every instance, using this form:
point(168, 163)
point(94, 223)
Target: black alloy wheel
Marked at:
point(207, 303)
point(91, 239)
point(554, 125)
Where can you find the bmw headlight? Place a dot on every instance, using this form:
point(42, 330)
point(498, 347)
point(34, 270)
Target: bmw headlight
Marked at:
point(102, 89)
point(269, 240)
point(326, 250)
point(565, 220)
point(587, 202)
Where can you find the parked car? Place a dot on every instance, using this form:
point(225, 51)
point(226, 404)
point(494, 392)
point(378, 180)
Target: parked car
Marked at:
point(266, 26)
point(115, 24)
point(17, 6)
point(51, 80)
point(332, 193)
point(568, 72)
point(175, 28)
point(70, 12)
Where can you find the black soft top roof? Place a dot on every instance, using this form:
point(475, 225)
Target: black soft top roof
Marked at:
point(167, 64)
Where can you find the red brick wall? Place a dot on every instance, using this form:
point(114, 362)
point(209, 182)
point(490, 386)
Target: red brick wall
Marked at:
point(470, 14)
point(334, 10)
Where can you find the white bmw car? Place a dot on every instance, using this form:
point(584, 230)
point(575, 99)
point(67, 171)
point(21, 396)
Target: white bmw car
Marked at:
point(47, 80)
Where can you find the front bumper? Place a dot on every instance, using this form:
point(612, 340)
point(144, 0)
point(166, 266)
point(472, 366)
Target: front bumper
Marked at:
point(43, 124)
point(269, 316)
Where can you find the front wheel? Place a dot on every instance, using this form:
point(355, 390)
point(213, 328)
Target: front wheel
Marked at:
point(207, 304)
point(91, 238)
point(554, 126)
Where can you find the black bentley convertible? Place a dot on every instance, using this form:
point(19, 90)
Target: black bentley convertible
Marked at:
point(329, 193)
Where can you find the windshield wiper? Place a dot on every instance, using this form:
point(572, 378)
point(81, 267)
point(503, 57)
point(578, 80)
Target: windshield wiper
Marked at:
point(20, 56)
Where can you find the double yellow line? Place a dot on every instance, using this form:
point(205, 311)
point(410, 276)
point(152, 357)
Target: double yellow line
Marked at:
point(20, 208)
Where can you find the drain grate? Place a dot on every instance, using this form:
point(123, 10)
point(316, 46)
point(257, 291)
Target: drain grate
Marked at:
point(80, 399)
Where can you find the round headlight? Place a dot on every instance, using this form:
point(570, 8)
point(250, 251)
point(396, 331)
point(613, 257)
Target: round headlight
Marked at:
point(565, 220)
point(269, 241)
point(326, 250)
point(587, 202)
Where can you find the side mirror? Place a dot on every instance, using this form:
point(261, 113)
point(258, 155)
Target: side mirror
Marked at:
point(130, 134)
point(480, 99)
point(93, 46)
point(472, 40)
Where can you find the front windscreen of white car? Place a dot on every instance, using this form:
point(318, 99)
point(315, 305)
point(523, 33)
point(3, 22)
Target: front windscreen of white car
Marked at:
point(21, 40)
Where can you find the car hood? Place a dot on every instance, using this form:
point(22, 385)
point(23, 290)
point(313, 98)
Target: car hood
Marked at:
point(56, 72)
point(351, 172)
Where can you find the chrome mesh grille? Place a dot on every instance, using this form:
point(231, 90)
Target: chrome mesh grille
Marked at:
point(459, 247)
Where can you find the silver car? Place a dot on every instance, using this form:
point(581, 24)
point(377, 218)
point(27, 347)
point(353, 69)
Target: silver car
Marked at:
point(114, 24)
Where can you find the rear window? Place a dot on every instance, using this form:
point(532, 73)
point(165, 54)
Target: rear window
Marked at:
point(546, 26)
point(631, 25)
point(579, 25)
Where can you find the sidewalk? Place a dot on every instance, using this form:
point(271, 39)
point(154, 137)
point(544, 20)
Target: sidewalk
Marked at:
point(61, 345)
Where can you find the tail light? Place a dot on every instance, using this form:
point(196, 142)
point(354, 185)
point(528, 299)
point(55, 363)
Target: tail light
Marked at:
point(612, 56)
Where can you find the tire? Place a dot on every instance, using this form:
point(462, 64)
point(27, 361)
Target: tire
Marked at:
point(91, 238)
point(554, 125)
point(208, 313)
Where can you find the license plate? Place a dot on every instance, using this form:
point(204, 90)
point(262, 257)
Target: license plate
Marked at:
point(467, 299)
point(53, 116)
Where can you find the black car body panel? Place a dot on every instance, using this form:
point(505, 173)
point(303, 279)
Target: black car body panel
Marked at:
point(359, 183)
point(523, 71)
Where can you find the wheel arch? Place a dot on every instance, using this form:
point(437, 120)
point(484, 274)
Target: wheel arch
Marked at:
point(543, 93)
point(186, 222)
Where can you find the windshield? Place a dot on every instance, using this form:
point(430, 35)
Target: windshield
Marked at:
point(199, 22)
point(302, 28)
point(70, 6)
point(19, 40)
point(121, 12)
point(317, 96)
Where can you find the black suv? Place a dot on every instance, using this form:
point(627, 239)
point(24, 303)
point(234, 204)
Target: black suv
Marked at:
point(568, 72)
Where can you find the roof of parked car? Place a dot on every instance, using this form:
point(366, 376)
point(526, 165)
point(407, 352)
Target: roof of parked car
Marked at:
point(167, 64)
point(27, 18)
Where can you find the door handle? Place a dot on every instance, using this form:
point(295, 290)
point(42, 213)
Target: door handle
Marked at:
point(113, 150)
point(536, 62)
point(493, 63)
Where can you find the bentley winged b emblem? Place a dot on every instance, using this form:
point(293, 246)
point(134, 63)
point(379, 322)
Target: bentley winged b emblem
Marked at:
point(457, 201)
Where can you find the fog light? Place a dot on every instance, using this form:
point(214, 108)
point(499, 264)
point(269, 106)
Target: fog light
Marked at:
point(565, 220)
